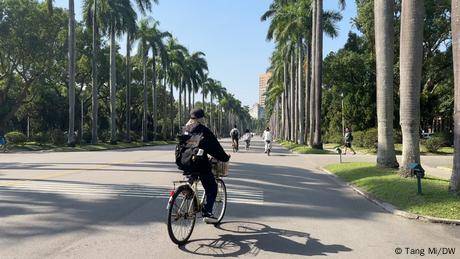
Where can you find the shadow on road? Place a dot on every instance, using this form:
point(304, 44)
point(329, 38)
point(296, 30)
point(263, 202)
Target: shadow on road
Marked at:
point(251, 238)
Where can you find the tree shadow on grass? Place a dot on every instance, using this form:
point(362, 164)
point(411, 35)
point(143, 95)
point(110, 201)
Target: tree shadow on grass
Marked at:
point(251, 238)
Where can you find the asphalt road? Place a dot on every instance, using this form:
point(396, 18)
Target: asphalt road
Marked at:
point(112, 204)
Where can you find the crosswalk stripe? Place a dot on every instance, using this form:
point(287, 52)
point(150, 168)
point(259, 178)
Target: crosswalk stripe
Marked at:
point(245, 196)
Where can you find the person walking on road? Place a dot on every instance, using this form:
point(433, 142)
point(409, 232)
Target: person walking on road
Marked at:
point(235, 135)
point(208, 145)
point(268, 138)
point(348, 139)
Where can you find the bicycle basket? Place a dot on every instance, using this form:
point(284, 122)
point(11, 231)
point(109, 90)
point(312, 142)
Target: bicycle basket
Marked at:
point(219, 169)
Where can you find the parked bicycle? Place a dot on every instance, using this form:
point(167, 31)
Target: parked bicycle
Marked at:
point(185, 204)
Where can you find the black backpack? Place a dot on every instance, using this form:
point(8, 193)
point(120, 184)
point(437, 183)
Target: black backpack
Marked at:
point(235, 134)
point(188, 154)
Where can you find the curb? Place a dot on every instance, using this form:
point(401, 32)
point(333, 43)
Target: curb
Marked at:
point(389, 207)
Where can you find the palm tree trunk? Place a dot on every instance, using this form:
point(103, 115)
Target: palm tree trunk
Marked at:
point(94, 90)
point(71, 132)
point(285, 102)
point(180, 105)
point(296, 97)
point(283, 112)
point(154, 96)
point(384, 50)
point(411, 59)
point(211, 122)
point(190, 90)
point(301, 102)
point(307, 92)
point(171, 114)
point(313, 76)
point(292, 97)
point(202, 102)
point(317, 143)
point(145, 97)
point(185, 103)
point(128, 87)
point(455, 178)
point(193, 99)
point(113, 88)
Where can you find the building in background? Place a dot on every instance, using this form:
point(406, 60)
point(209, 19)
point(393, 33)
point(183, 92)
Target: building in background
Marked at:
point(257, 112)
point(263, 85)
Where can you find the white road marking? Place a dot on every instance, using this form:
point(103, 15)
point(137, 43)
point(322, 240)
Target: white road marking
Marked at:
point(235, 195)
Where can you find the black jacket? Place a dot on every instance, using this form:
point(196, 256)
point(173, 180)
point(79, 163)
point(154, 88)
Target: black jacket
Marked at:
point(209, 144)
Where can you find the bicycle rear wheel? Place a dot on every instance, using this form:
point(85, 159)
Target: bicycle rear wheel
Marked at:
point(182, 215)
point(220, 205)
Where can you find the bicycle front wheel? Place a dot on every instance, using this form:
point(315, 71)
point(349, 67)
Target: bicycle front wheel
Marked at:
point(182, 215)
point(220, 205)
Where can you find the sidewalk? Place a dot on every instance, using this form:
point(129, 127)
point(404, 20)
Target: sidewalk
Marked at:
point(436, 166)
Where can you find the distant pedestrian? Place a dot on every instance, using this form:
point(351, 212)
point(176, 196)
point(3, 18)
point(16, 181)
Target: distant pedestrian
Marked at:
point(348, 139)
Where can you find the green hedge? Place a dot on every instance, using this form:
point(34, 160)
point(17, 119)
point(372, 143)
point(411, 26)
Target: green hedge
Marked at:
point(366, 139)
point(58, 137)
point(15, 137)
point(434, 143)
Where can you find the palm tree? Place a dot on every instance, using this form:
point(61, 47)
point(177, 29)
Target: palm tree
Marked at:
point(411, 58)
point(90, 9)
point(130, 37)
point(143, 35)
point(157, 46)
point(119, 17)
point(455, 179)
point(175, 63)
point(144, 6)
point(384, 51)
point(72, 44)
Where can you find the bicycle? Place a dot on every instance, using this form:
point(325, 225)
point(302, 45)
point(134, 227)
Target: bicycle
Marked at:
point(184, 205)
point(248, 143)
point(235, 145)
point(269, 147)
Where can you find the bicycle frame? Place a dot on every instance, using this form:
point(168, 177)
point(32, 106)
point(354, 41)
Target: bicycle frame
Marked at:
point(194, 187)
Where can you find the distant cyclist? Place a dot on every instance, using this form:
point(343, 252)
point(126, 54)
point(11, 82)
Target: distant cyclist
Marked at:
point(235, 135)
point(247, 138)
point(268, 138)
point(209, 144)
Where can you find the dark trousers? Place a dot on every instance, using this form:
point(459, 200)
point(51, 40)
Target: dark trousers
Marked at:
point(210, 187)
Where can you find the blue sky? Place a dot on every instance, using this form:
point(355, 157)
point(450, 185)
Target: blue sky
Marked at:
point(231, 35)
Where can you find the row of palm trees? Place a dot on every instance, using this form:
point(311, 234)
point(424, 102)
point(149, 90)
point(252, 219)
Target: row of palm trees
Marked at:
point(159, 51)
point(296, 65)
point(294, 96)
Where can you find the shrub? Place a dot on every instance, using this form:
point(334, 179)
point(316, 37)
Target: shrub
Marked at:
point(86, 137)
point(41, 137)
point(434, 143)
point(358, 138)
point(447, 138)
point(397, 136)
point(15, 137)
point(333, 137)
point(58, 137)
point(370, 138)
point(366, 139)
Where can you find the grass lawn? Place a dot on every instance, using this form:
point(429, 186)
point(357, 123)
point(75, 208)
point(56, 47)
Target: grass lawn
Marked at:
point(398, 149)
point(388, 186)
point(302, 149)
point(34, 146)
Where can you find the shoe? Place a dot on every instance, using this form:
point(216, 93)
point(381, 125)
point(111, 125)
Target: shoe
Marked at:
point(209, 218)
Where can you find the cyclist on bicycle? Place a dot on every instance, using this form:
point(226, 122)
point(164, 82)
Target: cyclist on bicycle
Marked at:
point(268, 138)
point(235, 135)
point(211, 146)
point(247, 138)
